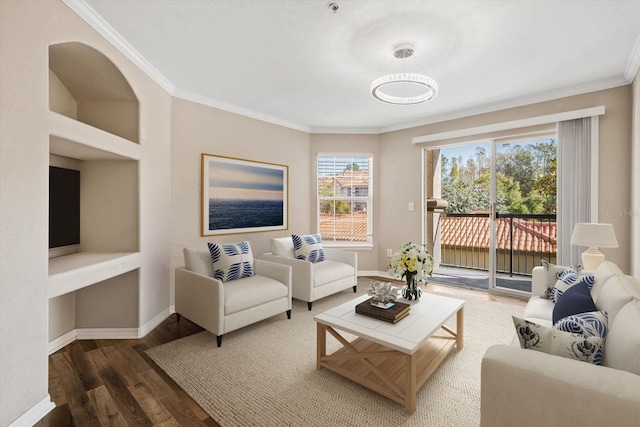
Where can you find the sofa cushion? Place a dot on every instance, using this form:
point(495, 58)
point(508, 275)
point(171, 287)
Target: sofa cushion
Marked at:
point(567, 279)
point(591, 324)
point(622, 349)
point(601, 274)
point(330, 271)
point(251, 292)
point(282, 246)
point(540, 308)
point(552, 341)
point(308, 247)
point(232, 261)
point(616, 293)
point(576, 299)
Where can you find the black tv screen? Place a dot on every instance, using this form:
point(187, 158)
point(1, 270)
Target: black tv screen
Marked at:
point(64, 207)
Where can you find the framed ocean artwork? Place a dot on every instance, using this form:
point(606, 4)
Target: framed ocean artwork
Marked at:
point(243, 196)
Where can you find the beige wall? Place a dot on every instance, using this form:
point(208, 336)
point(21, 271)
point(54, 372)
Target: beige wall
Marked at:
point(27, 28)
point(636, 176)
point(350, 144)
point(401, 166)
point(198, 129)
point(173, 134)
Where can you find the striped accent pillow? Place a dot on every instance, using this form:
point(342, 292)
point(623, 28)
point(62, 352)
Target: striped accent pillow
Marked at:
point(231, 262)
point(308, 248)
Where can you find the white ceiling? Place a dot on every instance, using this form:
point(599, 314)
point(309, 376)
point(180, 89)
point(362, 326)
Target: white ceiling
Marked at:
point(296, 63)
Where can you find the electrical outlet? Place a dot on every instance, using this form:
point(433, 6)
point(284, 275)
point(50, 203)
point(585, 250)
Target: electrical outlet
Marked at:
point(412, 206)
point(389, 252)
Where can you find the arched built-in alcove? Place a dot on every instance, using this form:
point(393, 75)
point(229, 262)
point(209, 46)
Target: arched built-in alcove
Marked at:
point(86, 86)
point(93, 130)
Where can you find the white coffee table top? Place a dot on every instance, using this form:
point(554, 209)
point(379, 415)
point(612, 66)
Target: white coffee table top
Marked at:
point(426, 316)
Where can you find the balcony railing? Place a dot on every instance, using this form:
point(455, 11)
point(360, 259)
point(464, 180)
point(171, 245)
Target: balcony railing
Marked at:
point(522, 240)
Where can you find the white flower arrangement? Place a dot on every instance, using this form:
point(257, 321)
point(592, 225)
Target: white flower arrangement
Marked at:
point(411, 261)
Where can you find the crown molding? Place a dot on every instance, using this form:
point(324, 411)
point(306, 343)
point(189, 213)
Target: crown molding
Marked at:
point(346, 131)
point(514, 103)
point(88, 14)
point(91, 17)
point(634, 63)
point(201, 99)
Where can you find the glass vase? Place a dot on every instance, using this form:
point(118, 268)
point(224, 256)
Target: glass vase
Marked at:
point(411, 291)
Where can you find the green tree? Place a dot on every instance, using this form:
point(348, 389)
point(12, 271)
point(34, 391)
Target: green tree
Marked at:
point(326, 188)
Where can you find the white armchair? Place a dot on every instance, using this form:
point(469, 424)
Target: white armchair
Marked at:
point(312, 281)
point(222, 307)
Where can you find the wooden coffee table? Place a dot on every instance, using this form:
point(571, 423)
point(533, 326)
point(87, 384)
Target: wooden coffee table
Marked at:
point(394, 360)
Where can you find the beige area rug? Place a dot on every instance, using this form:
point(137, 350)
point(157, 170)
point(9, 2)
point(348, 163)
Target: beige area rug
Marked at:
point(265, 374)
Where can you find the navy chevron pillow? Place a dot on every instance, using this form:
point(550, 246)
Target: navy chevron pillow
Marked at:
point(231, 262)
point(590, 324)
point(308, 248)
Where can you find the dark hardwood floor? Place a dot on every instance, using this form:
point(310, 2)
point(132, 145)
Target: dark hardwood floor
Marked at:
point(114, 383)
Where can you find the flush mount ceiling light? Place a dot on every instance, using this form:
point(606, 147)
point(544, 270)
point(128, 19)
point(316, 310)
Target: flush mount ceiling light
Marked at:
point(404, 88)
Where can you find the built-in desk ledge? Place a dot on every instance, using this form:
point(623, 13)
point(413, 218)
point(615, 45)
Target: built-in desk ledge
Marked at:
point(76, 271)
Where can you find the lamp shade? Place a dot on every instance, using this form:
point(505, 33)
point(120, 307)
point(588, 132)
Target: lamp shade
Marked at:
point(594, 235)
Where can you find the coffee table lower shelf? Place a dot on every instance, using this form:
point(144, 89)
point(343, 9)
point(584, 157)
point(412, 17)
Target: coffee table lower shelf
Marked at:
point(393, 374)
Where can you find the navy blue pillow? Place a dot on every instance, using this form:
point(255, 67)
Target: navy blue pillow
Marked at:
point(576, 299)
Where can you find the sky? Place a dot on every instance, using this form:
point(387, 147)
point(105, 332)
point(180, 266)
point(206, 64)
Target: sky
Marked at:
point(231, 180)
point(465, 151)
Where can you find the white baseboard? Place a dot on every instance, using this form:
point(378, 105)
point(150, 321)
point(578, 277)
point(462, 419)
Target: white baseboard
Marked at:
point(375, 274)
point(106, 333)
point(61, 341)
point(153, 323)
point(35, 414)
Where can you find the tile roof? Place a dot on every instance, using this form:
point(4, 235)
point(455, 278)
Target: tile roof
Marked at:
point(341, 224)
point(474, 232)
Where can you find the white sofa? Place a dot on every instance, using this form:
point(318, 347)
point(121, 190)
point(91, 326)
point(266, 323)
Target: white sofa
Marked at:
point(529, 388)
point(315, 280)
point(222, 307)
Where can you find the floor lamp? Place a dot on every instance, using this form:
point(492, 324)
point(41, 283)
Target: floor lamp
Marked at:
point(594, 236)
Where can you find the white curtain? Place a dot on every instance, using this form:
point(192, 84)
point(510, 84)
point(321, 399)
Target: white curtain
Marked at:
point(574, 185)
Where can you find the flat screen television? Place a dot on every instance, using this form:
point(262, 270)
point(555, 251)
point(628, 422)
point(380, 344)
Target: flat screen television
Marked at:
point(64, 207)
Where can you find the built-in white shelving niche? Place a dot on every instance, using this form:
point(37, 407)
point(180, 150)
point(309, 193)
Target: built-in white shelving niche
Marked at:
point(94, 127)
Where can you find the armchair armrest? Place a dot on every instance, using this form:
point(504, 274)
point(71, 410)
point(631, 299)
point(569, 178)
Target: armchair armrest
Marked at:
point(529, 388)
point(200, 299)
point(301, 274)
point(280, 272)
point(348, 257)
point(538, 281)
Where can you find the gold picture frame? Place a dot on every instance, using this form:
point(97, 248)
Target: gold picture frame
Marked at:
point(243, 196)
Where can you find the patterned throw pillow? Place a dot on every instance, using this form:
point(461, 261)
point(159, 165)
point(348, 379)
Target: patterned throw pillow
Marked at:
point(591, 324)
point(566, 279)
point(231, 262)
point(308, 248)
point(553, 341)
point(577, 299)
point(553, 271)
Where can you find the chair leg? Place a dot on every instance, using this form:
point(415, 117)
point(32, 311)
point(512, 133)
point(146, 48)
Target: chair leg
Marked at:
point(288, 314)
point(178, 317)
point(309, 305)
point(354, 288)
point(219, 340)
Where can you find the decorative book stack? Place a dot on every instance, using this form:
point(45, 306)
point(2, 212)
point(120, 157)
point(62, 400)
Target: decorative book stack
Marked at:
point(393, 314)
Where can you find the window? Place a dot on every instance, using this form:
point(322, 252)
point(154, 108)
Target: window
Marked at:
point(344, 199)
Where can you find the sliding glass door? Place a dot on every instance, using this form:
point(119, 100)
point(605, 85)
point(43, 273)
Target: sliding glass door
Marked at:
point(490, 213)
point(523, 209)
